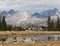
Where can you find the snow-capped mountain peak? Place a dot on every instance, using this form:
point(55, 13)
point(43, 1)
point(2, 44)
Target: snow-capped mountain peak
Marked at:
point(11, 11)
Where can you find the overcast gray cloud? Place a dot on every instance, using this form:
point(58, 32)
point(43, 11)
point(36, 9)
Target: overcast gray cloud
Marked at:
point(29, 4)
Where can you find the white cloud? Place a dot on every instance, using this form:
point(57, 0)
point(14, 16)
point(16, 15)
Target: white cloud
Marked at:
point(29, 4)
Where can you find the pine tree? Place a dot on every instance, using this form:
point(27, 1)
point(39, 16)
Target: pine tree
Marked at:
point(4, 25)
point(49, 23)
point(9, 27)
point(15, 28)
point(0, 24)
point(52, 25)
point(20, 28)
point(58, 24)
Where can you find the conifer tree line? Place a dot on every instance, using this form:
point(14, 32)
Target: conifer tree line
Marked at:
point(53, 25)
point(5, 27)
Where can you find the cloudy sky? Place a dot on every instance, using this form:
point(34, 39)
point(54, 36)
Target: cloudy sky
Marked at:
point(24, 5)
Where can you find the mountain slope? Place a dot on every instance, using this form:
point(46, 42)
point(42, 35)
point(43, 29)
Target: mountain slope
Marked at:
point(18, 17)
point(5, 13)
point(45, 14)
point(11, 11)
point(24, 18)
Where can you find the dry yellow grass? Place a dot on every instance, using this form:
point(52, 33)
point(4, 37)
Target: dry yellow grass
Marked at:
point(55, 43)
point(29, 32)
